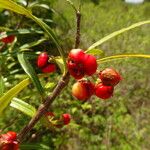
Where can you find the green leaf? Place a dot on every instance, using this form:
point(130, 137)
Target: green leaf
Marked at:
point(50, 85)
point(4, 29)
point(22, 2)
point(19, 31)
point(30, 71)
point(7, 97)
point(106, 38)
point(34, 147)
point(74, 110)
point(36, 4)
point(21, 10)
point(86, 106)
point(60, 63)
point(23, 107)
point(95, 52)
point(123, 56)
point(32, 44)
point(2, 85)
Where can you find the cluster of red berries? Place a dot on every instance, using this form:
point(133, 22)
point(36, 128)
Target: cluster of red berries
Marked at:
point(8, 141)
point(58, 122)
point(80, 64)
point(44, 64)
point(8, 39)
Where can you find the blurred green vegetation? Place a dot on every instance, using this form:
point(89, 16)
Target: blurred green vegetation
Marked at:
point(120, 123)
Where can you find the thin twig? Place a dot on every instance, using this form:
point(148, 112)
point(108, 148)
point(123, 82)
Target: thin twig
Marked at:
point(72, 4)
point(78, 20)
point(77, 41)
point(80, 4)
point(44, 107)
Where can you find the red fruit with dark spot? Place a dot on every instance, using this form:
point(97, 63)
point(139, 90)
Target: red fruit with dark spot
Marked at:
point(110, 77)
point(83, 90)
point(8, 39)
point(8, 141)
point(42, 60)
point(75, 63)
point(76, 69)
point(49, 68)
point(103, 91)
point(66, 119)
point(80, 64)
point(90, 64)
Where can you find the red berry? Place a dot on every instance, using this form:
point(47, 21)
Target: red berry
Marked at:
point(8, 39)
point(42, 60)
point(12, 135)
point(66, 118)
point(49, 68)
point(10, 146)
point(76, 69)
point(103, 91)
point(90, 64)
point(76, 55)
point(76, 63)
point(80, 64)
point(83, 90)
point(8, 141)
point(110, 77)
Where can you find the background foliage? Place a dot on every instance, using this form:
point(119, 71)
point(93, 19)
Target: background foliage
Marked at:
point(119, 123)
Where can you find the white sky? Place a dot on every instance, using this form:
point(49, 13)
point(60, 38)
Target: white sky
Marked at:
point(134, 1)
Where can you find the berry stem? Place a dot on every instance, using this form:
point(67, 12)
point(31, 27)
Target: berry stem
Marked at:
point(77, 41)
point(44, 106)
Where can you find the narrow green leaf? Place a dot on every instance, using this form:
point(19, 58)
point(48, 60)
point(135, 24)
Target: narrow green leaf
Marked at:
point(32, 44)
point(2, 85)
point(7, 97)
point(34, 146)
point(106, 38)
point(19, 31)
point(95, 52)
point(30, 71)
point(60, 63)
point(50, 85)
point(4, 29)
point(22, 2)
point(37, 4)
point(23, 107)
point(123, 56)
point(21, 10)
